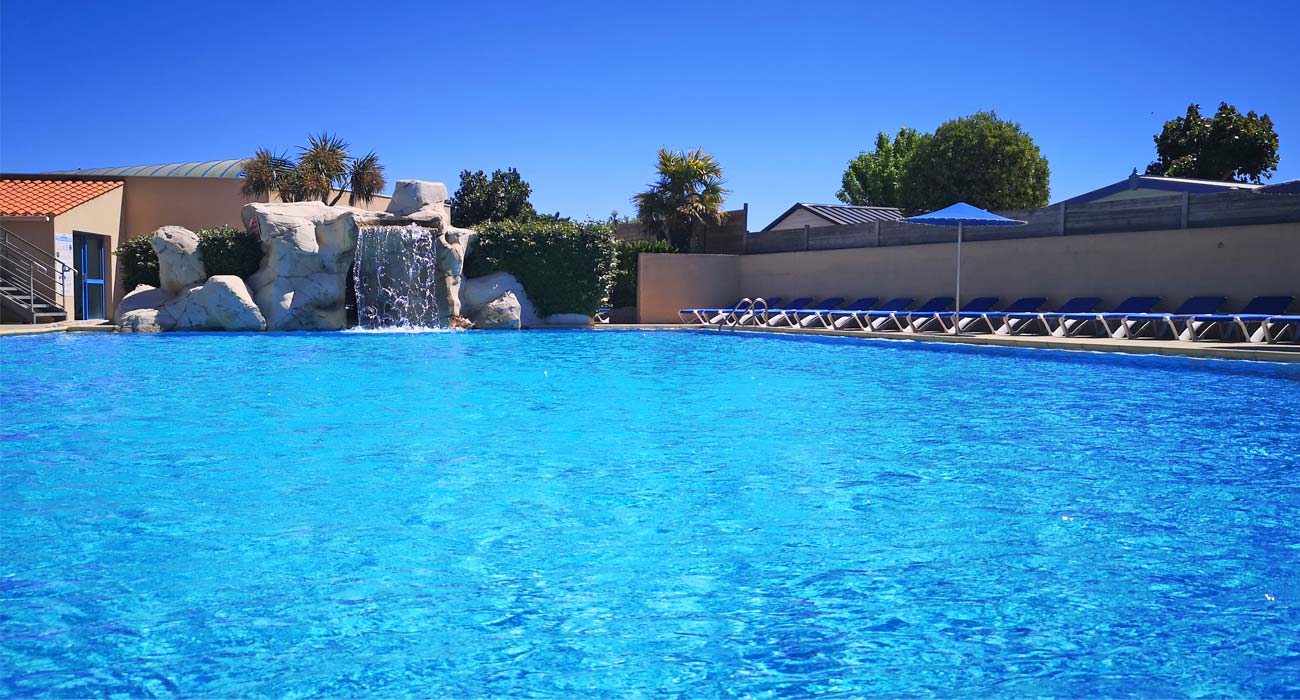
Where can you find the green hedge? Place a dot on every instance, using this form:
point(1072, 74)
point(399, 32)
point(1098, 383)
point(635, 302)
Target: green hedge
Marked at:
point(138, 262)
point(624, 291)
point(230, 251)
point(566, 267)
point(226, 251)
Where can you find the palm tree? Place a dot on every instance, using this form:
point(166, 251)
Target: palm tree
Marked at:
point(688, 191)
point(322, 170)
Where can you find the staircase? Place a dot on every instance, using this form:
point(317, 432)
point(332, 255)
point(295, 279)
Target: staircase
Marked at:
point(29, 280)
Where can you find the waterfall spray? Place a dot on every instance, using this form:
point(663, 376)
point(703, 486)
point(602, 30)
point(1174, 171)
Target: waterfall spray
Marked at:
point(396, 277)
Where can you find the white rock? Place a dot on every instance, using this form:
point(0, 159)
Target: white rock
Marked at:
point(501, 313)
point(307, 253)
point(477, 292)
point(220, 304)
point(138, 311)
point(224, 304)
point(180, 262)
point(420, 201)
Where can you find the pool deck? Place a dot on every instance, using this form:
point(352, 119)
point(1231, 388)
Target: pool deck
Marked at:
point(1217, 350)
point(99, 326)
point(1259, 352)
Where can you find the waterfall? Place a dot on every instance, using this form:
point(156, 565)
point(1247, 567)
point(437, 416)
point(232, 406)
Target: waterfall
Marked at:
point(396, 277)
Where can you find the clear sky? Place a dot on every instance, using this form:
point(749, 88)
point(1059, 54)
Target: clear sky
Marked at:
point(579, 96)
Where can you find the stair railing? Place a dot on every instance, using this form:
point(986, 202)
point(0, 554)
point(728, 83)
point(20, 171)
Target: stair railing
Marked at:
point(34, 273)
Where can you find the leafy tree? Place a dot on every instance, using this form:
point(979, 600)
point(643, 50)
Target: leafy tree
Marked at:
point(873, 178)
point(981, 160)
point(501, 197)
point(688, 191)
point(1227, 146)
point(322, 167)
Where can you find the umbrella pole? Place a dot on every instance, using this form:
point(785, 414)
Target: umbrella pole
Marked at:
point(956, 314)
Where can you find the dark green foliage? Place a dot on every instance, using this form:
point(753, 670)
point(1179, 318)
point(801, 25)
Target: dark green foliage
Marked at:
point(226, 251)
point(688, 192)
point(1228, 146)
point(565, 266)
point(502, 197)
point(873, 178)
point(138, 263)
point(625, 270)
point(229, 251)
point(980, 160)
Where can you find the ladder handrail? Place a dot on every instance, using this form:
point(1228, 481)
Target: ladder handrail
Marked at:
point(744, 306)
point(19, 269)
point(32, 251)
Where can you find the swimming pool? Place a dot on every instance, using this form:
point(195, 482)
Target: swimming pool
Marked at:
point(636, 514)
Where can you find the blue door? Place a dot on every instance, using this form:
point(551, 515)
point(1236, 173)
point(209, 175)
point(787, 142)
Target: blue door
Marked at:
point(88, 256)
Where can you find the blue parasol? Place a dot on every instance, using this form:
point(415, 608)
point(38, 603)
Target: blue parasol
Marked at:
point(961, 215)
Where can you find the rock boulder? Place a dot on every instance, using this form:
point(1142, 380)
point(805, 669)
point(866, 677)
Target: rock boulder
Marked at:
point(501, 313)
point(180, 262)
point(220, 304)
point(478, 292)
point(308, 249)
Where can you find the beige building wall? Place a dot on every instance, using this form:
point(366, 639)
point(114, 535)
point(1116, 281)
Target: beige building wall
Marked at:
point(668, 282)
point(1239, 262)
point(101, 216)
point(38, 231)
point(193, 202)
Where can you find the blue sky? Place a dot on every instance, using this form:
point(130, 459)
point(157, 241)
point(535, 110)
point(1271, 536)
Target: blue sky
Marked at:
point(579, 96)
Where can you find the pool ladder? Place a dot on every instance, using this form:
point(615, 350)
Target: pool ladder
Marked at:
point(742, 307)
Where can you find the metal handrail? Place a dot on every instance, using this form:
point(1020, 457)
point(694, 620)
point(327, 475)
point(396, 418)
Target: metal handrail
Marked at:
point(728, 319)
point(32, 251)
point(754, 304)
point(19, 268)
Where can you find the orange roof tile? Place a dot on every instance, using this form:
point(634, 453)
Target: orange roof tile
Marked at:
point(49, 197)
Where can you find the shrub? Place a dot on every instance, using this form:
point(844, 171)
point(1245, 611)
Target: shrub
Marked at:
point(625, 270)
point(565, 266)
point(226, 251)
point(229, 251)
point(138, 262)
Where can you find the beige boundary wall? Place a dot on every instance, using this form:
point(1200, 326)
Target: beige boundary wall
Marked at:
point(1239, 262)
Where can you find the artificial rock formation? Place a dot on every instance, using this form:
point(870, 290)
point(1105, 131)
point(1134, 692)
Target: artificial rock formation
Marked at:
point(188, 299)
point(308, 250)
point(180, 262)
point(220, 304)
point(501, 313)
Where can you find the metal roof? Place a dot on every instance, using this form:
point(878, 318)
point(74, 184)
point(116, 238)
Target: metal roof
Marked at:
point(207, 168)
point(843, 214)
point(1158, 182)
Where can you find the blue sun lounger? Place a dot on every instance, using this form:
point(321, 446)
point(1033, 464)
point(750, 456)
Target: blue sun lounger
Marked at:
point(715, 315)
point(702, 315)
point(820, 318)
point(766, 317)
point(858, 317)
point(1276, 327)
point(1024, 322)
point(790, 317)
point(1069, 325)
point(1137, 325)
point(897, 320)
point(918, 321)
point(1256, 312)
point(995, 320)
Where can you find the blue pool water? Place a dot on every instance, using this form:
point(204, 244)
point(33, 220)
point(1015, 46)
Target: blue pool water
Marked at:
point(636, 514)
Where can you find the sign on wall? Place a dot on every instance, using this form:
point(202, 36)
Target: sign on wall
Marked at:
point(63, 252)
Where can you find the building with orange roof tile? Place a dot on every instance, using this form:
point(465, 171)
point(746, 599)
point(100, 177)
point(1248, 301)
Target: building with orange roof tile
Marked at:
point(65, 225)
